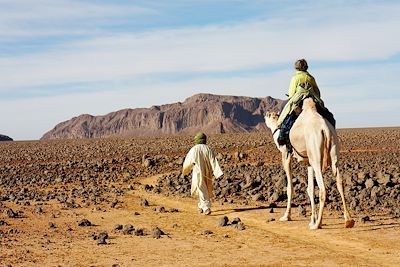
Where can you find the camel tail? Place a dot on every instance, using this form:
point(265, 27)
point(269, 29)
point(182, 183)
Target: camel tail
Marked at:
point(326, 148)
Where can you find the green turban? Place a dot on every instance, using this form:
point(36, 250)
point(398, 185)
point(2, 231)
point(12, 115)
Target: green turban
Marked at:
point(200, 138)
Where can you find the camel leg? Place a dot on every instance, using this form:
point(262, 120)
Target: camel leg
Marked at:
point(322, 198)
point(287, 166)
point(310, 191)
point(349, 222)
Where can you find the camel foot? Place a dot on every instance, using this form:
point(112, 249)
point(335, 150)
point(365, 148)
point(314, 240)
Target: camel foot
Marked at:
point(350, 223)
point(285, 219)
point(311, 223)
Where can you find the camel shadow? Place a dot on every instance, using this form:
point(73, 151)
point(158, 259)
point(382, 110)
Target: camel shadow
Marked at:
point(233, 210)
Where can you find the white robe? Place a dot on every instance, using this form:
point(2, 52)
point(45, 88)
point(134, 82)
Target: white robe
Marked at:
point(202, 160)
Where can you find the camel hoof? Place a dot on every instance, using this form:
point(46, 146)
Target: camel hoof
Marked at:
point(285, 219)
point(350, 223)
point(315, 227)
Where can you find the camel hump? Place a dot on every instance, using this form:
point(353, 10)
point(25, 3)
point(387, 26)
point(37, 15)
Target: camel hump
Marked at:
point(309, 103)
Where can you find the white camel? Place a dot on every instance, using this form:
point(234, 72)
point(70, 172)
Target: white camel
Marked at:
point(314, 142)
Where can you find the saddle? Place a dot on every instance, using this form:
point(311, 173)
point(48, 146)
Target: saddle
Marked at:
point(283, 138)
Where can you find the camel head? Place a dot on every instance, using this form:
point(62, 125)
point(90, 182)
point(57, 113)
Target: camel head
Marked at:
point(271, 119)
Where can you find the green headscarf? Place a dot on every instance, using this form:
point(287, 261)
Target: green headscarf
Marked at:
point(200, 138)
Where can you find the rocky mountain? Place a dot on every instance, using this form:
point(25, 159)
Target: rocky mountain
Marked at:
point(5, 138)
point(202, 112)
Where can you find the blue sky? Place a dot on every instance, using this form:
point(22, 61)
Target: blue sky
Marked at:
point(60, 59)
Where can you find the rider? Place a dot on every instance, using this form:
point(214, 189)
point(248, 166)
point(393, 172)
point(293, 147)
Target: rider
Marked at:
point(301, 86)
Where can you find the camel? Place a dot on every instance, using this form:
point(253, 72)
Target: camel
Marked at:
point(315, 142)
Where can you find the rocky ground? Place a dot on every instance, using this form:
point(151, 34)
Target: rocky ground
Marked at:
point(61, 201)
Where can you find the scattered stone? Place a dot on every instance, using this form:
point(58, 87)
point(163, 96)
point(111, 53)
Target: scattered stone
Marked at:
point(207, 232)
point(157, 233)
point(364, 218)
point(10, 213)
point(101, 241)
point(239, 226)
point(302, 211)
point(118, 227)
point(173, 210)
point(225, 236)
point(113, 203)
point(143, 202)
point(52, 225)
point(270, 220)
point(369, 183)
point(148, 163)
point(222, 221)
point(128, 229)
point(103, 234)
point(139, 232)
point(38, 210)
point(136, 213)
point(159, 209)
point(236, 220)
point(84, 222)
point(3, 223)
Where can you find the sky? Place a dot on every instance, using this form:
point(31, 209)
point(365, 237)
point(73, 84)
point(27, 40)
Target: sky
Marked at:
point(63, 58)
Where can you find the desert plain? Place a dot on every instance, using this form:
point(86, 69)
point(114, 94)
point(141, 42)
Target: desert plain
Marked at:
point(123, 202)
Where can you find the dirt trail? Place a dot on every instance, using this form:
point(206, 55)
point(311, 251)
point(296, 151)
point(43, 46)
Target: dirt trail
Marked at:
point(193, 239)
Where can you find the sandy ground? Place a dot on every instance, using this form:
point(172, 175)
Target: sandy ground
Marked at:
point(53, 238)
point(193, 239)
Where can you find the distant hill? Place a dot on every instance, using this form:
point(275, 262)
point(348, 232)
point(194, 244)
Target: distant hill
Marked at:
point(5, 138)
point(202, 112)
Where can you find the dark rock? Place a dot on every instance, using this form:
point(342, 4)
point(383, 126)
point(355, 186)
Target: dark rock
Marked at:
point(222, 221)
point(207, 232)
point(143, 202)
point(103, 234)
point(128, 229)
point(10, 213)
point(101, 241)
point(239, 226)
point(38, 210)
point(3, 223)
point(139, 232)
point(364, 218)
point(236, 220)
point(113, 203)
point(157, 233)
point(369, 183)
point(118, 227)
point(84, 222)
point(159, 209)
point(172, 210)
point(302, 211)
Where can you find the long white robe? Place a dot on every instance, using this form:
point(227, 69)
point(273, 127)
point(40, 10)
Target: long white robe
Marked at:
point(202, 160)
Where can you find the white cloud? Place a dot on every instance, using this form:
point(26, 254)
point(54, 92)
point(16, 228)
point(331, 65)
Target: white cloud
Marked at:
point(211, 48)
point(27, 18)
